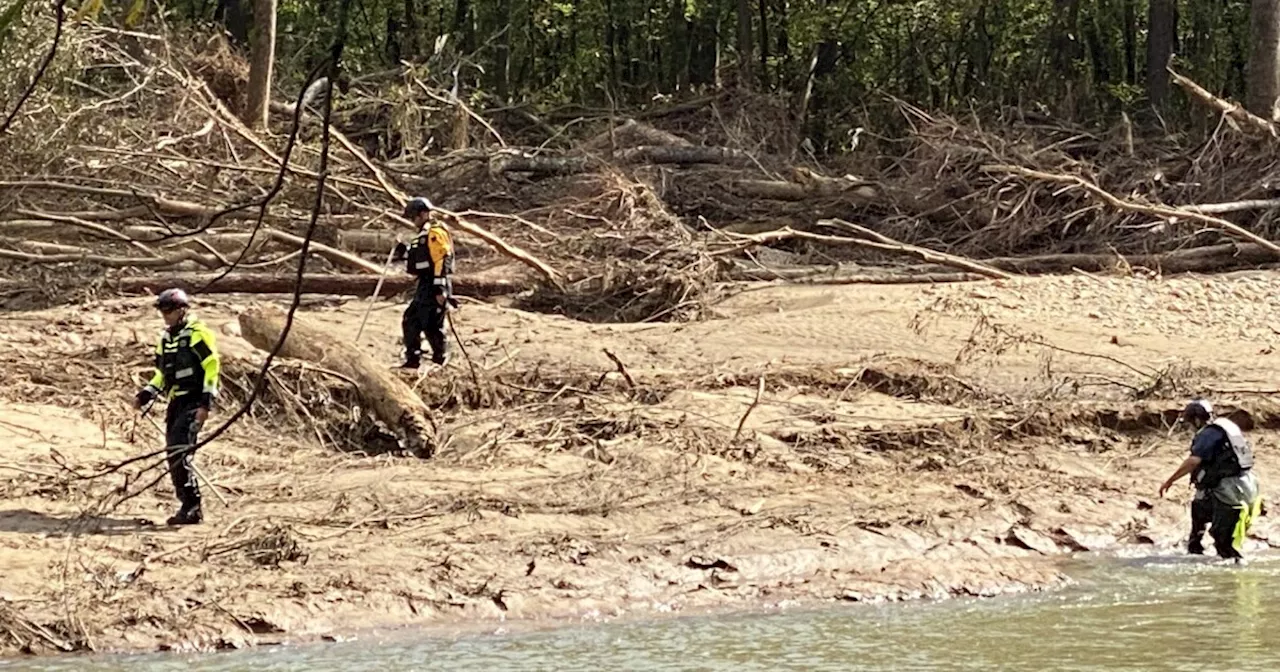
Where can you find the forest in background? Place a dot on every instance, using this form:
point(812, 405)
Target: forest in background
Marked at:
point(832, 63)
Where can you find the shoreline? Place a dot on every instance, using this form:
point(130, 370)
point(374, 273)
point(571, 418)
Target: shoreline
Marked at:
point(554, 618)
point(390, 633)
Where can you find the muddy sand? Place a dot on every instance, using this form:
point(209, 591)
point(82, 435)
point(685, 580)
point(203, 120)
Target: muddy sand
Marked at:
point(808, 444)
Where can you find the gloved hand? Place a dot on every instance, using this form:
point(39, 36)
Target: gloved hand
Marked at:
point(145, 395)
point(399, 252)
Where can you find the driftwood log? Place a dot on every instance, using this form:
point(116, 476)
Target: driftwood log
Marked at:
point(390, 399)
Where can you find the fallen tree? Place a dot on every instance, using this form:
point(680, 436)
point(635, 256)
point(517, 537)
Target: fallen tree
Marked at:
point(876, 242)
point(390, 399)
point(1197, 259)
point(312, 283)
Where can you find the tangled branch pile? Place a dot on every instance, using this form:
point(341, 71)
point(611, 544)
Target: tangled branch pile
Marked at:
point(136, 164)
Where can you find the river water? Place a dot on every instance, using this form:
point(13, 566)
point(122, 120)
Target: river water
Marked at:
point(1137, 613)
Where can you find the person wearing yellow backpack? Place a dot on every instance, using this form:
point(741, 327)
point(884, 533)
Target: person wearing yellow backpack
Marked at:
point(429, 256)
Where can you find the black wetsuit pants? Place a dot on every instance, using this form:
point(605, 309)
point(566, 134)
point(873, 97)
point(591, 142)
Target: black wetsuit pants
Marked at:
point(1201, 516)
point(181, 429)
point(424, 316)
point(1223, 529)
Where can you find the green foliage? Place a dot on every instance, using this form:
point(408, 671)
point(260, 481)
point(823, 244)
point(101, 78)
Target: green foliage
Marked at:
point(1084, 59)
point(9, 20)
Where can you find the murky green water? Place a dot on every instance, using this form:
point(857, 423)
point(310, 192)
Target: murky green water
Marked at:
point(1155, 613)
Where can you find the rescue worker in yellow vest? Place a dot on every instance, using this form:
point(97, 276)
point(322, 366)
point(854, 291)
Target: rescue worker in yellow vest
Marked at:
point(187, 368)
point(429, 257)
point(1222, 461)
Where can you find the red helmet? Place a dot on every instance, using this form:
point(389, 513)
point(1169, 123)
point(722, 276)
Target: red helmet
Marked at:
point(172, 299)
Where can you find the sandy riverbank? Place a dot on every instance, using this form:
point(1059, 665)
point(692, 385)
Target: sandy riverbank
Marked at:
point(909, 441)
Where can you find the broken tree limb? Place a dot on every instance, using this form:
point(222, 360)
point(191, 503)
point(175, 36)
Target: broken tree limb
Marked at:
point(400, 198)
point(332, 254)
point(503, 247)
point(1172, 214)
point(41, 247)
point(1233, 111)
point(511, 162)
point(391, 399)
point(351, 147)
point(168, 206)
point(473, 285)
point(224, 243)
point(88, 226)
point(926, 254)
point(787, 233)
point(681, 155)
point(809, 277)
point(778, 190)
point(101, 260)
point(1232, 206)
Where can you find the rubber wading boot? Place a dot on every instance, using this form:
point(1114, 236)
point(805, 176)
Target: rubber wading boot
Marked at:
point(187, 516)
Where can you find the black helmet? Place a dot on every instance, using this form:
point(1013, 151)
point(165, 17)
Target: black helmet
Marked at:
point(417, 206)
point(1197, 410)
point(172, 299)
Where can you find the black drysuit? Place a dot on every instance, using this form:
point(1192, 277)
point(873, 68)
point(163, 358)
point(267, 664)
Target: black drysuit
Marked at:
point(430, 258)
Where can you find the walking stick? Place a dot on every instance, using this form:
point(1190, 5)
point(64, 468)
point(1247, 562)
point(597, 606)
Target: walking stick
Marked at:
point(376, 290)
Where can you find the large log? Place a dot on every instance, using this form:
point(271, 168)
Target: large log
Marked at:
point(474, 285)
point(809, 276)
point(507, 162)
point(684, 155)
point(879, 242)
point(825, 187)
point(1194, 260)
point(390, 399)
point(630, 134)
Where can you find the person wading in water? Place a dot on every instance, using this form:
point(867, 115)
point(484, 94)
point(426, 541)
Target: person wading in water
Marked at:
point(1222, 459)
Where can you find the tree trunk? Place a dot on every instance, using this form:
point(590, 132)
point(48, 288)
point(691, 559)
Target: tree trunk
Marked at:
point(764, 44)
point(1264, 58)
point(261, 62)
point(745, 43)
point(503, 73)
point(1130, 40)
point(1161, 28)
point(464, 26)
point(394, 50)
point(390, 399)
point(409, 43)
point(1210, 258)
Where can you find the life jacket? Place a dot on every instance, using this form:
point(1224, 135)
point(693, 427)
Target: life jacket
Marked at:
point(430, 257)
point(185, 361)
point(1232, 459)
